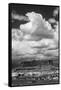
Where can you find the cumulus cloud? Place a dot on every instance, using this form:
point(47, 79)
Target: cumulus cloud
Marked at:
point(17, 34)
point(36, 38)
point(55, 12)
point(19, 17)
point(37, 26)
point(52, 20)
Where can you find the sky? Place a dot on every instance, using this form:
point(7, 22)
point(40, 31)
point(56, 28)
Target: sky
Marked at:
point(46, 11)
point(35, 31)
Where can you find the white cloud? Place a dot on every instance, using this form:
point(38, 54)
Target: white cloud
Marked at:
point(19, 17)
point(55, 12)
point(52, 20)
point(51, 53)
point(56, 33)
point(35, 38)
point(37, 25)
point(17, 34)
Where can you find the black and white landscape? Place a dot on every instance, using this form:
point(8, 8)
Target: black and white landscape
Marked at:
point(35, 44)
